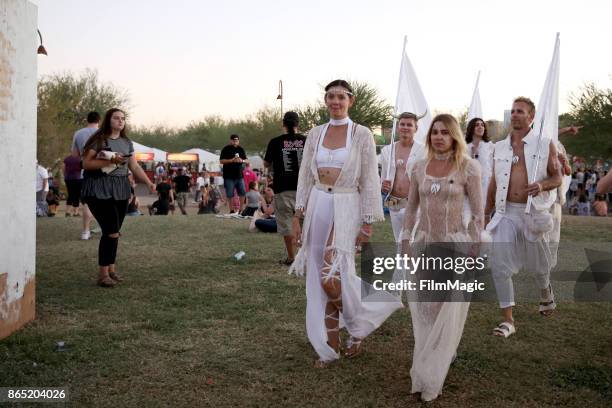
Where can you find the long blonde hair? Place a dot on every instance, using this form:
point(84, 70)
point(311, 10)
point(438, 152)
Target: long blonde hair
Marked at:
point(459, 146)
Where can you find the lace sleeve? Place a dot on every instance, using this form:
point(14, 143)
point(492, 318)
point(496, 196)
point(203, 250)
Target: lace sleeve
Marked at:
point(305, 177)
point(412, 204)
point(369, 182)
point(473, 189)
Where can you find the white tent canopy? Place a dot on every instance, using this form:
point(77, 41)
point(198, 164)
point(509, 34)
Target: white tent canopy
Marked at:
point(211, 160)
point(159, 155)
point(256, 162)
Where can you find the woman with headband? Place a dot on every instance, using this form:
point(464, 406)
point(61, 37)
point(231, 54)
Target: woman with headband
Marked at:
point(439, 185)
point(338, 199)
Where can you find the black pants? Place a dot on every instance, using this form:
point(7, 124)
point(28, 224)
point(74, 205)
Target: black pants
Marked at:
point(74, 192)
point(110, 215)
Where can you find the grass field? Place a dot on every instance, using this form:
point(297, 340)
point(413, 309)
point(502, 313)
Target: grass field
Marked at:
point(192, 327)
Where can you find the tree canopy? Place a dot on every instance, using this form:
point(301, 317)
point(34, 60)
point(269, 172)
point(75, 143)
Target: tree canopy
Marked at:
point(591, 108)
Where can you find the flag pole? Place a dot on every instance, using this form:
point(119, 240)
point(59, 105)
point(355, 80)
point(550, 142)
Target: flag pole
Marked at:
point(548, 84)
point(393, 128)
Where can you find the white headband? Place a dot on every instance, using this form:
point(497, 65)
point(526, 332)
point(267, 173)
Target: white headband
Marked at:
point(339, 89)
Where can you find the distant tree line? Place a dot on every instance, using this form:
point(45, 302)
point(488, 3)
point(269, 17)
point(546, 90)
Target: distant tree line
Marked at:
point(64, 100)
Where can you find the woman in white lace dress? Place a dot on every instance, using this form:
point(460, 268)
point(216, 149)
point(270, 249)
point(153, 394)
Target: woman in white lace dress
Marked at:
point(338, 198)
point(440, 184)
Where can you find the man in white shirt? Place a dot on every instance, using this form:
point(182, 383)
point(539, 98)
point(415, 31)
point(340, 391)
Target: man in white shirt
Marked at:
point(396, 177)
point(42, 183)
point(200, 184)
point(520, 240)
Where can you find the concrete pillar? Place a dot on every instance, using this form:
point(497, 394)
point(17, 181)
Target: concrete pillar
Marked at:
point(18, 79)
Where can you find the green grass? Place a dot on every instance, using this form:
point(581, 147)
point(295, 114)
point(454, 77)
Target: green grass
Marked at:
point(192, 327)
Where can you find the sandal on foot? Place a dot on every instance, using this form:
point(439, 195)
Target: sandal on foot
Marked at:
point(547, 306)
point(353, 343)
point(106, 282)
point(115, 277)
point(285, 261)
point(504, 329)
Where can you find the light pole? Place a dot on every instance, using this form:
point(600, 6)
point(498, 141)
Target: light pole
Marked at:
point(280, 95)
point(41, 48)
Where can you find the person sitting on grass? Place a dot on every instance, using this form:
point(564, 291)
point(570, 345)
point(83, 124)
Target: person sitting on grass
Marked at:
point(52, 202)
point(584, 207)
point(600, 206)
point(164, 200)
point(253, 199)
point(210, 197)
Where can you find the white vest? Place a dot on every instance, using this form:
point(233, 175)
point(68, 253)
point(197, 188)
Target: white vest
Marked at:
point(417, 152)
point(503, 165)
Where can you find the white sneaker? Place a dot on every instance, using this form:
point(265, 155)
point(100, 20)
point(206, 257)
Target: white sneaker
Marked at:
point(85, 235)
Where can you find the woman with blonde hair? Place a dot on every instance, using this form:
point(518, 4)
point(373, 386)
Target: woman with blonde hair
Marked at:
point(338, 198)
point(439, 185)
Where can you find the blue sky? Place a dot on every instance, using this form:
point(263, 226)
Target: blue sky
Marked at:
point(186, 59)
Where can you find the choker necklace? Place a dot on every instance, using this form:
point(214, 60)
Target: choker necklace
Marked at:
point(339, 122)
point(442, 156)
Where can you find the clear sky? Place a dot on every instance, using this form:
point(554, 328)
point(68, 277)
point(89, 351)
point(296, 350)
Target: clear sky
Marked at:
point(182, 60)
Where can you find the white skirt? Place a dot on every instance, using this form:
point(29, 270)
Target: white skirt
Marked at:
point(359, 316)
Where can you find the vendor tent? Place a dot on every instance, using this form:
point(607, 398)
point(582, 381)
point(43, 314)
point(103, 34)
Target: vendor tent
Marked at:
point(207, 158)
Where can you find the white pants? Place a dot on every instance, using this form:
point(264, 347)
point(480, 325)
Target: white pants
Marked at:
point(512, 251)
point(555, 235)
point(397, 222)
point(359, 316)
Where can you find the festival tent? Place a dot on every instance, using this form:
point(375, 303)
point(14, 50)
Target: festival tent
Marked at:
point(207, 158)
point(256, 162)
point(158, 154)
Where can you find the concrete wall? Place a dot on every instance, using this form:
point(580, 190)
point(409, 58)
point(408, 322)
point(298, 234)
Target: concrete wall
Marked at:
point(18, 79)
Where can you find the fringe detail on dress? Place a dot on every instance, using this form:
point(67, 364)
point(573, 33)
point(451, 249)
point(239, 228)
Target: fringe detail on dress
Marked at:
point(298, 267)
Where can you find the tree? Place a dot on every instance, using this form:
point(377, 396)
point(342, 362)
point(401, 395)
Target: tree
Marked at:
point(64, 100)
point(591, 108)
point(369, 109)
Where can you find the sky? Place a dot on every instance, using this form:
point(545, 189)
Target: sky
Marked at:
point(183, 60)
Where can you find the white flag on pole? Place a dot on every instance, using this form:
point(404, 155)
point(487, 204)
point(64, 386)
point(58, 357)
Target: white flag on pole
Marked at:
point(547, 114)
point(546, 123)
point(475, 109)
point(410, 97)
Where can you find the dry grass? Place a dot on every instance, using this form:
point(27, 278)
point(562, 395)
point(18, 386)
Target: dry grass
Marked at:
point(192, 327)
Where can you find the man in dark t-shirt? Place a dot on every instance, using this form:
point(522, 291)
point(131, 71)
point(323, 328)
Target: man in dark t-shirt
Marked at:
point(182, 183)
point(165, 197)
point(233, 157)
point(284, 155)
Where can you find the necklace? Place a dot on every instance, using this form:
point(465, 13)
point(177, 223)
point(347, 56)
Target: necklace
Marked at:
point(443, 156)
point(339, 122)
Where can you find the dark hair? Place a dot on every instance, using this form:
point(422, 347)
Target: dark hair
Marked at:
point(252, 185)
point(582, 198)
point(93, 117)
point(98, 139)
point(469, 133)
point(291, 120)
point(339, 82)
point(234, 136)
